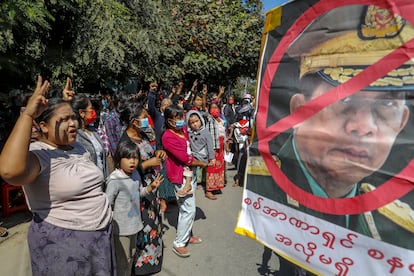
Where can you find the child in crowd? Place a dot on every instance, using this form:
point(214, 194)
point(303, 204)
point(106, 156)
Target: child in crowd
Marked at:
point(124, 190)
point(201, 144)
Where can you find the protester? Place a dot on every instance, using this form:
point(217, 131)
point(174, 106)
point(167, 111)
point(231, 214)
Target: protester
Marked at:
point(87, 134)
point(175, 143)
point(124, 190)
point(240, 133)
point(229, 111)
point(134, 116)
point(215, 172)
point(166, 190)
point(112, 124)
point(71, 214)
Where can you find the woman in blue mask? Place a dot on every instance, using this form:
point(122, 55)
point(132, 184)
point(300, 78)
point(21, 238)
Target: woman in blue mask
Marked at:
point(134, 118)
point(176, 144)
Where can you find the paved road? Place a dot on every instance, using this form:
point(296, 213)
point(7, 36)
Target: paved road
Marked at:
point(222, 252)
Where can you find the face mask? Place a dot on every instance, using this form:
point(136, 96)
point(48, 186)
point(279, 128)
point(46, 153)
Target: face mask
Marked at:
point(92, 116)
point(179, 124)
point(215, 113)
point(144, 123)
point(231, 101)
point(214, 101)
point(105, 104)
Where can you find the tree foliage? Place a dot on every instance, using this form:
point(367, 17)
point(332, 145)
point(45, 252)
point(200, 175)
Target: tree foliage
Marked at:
point(100, 43)
point(221, 38)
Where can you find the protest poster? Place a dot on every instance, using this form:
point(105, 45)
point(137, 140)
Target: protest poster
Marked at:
point(330, 176)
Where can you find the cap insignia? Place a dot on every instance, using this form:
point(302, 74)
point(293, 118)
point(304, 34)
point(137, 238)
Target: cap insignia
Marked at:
point(380, 23)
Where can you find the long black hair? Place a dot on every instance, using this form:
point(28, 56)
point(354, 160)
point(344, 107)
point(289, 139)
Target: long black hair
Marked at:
point(171, 112)
point(129, 111)
point(126, 149)
point(79, 102)
point(53, 103)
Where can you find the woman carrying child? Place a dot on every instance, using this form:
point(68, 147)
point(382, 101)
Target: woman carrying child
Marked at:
point(175, 143)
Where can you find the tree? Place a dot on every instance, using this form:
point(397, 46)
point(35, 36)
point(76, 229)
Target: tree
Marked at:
point(221, 39)
point(102, 43)
point(95, 42)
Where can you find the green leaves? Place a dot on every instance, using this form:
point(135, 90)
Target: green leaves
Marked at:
point(98, 41)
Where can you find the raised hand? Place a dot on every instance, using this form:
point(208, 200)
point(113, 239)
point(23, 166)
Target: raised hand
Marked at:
point(37, 103)
point(195, 83)
point(221, 89)
point(68, 93)
point(204, 89)
point(157, 181)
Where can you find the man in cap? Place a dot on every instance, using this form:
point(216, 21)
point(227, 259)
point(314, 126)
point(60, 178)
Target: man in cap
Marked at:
point(333, 151)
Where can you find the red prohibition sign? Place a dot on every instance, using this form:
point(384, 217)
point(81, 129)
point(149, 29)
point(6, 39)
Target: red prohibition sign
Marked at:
point(397, 186)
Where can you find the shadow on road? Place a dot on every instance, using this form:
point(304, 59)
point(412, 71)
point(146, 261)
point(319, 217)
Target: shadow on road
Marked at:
point(171, 215)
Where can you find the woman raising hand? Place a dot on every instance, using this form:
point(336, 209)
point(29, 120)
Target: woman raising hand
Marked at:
point(71, 227)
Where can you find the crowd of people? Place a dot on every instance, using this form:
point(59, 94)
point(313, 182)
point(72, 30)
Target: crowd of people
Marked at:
point(99, 171)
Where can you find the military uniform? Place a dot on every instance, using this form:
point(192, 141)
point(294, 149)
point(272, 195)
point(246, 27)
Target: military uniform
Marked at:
point(374, 224)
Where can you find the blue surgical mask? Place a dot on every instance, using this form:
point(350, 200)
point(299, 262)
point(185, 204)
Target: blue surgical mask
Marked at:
point(105, 104)
point(179, 124)
point(144, 123)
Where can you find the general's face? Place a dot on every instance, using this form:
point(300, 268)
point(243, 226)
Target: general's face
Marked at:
point(351, 138)
point(62, 126)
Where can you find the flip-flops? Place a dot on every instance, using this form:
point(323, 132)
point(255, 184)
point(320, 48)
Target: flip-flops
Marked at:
point(210, 195)
point(181, 251)
point(182, 193)
point(195, 240)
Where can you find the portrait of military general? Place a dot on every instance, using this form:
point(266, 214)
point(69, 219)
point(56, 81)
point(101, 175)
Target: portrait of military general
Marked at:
point(346, 86)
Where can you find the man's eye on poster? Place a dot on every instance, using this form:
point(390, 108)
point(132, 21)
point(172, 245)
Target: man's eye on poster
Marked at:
point(330, 172)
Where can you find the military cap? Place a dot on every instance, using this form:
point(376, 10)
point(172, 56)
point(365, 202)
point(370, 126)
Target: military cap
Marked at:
point(341, 43)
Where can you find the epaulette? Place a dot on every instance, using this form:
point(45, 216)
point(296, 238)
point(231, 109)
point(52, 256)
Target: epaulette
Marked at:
point(397, 211)
point(257, 166)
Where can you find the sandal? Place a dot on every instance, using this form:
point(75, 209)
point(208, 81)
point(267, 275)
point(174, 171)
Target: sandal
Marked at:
point(182, 193)
point(236, 183)
point(3, 232)
point(195, 240)
point(181, 251)
point(210, 195)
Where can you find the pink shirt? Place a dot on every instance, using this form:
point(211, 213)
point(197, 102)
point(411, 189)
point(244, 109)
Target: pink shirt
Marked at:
point(176, 148)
